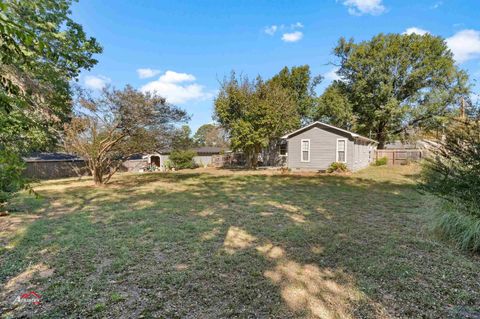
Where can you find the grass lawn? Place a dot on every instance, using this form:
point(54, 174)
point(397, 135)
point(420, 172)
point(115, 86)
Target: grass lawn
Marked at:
point(217, 244)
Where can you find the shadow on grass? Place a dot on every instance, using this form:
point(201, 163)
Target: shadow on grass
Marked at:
point(198, 245)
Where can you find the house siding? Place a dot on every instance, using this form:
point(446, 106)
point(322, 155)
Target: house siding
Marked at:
point(323, 147)
point(203, 160)
point(364, 153)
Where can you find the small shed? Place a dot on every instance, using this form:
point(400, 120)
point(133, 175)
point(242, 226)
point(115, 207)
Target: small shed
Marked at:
point(54, 165)
point(316, 146)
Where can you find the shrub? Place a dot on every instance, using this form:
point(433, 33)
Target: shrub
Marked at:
point(168, 165)
point(337, 167)
point(182, 159)
point(381, 161)
point(11, 178)
point(452, 173)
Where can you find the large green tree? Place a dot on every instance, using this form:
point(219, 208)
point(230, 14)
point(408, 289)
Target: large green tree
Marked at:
point(41, 50)
point(300, 84)
point(182, 139)
point(396, 82)
point(253, 113)
point(210, 135)
point(333, 107)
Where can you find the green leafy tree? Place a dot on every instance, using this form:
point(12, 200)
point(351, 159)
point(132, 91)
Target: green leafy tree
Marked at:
point(300, 84)
point(397, 82)
point(41, 50)
point(334, 107)
point(181, 139)
point(253, 113)
point(210, 135)
point(11, 179)
point(108, 129)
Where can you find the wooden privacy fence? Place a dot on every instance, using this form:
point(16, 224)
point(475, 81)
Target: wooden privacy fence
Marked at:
point(399, 157)
point(228, 160)
point(55, 169)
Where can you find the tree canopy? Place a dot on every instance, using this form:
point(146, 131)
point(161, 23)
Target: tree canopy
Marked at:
point(181, 138)
point(395, 82)
point(41, 50)
point(108, 129)
point(300, 84)
point(334, 107)
point(254, 112)
point(210, 135)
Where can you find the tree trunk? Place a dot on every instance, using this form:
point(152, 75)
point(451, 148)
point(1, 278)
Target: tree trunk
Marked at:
point(381, 144)
point(252, 158)
point(97, 175)
point(381, 139)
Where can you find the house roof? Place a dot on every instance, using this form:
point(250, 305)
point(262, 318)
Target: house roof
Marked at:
point(52, 157)
point(199, 150)
point(321, 124)
point(209, 150)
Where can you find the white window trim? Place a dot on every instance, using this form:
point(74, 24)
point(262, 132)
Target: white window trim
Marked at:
point(301, 150)
point(283, 155)
point(336, 149)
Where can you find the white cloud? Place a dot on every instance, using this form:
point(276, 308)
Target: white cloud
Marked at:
point(177, 88)
point(332, 75)
point(274, 28)
point(147, 73)
point(436, 5)
point(415, 30)
point(360, 7)
point(175, 77)
point(270, 30)
point(297, 25)
point(96, 82)
point(292, 37)
point(465, 45)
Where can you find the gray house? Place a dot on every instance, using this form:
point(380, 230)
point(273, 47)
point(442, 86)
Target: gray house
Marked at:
point(316, 146)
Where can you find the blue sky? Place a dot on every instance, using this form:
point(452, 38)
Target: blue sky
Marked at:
point(182, 48)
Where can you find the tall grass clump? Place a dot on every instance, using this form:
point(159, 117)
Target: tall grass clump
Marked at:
point(381, 161)
point(460, 228)
point(453, 173)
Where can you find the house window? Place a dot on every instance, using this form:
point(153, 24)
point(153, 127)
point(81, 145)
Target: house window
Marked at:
point(283, 149)
point(305, 150)
point(342, 150)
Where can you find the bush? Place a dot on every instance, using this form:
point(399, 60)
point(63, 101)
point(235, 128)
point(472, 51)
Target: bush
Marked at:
point(168, 165)
point(452, 173)
point(11, 178)
point(381, 161)
point(182, 159)
point(337, 167)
